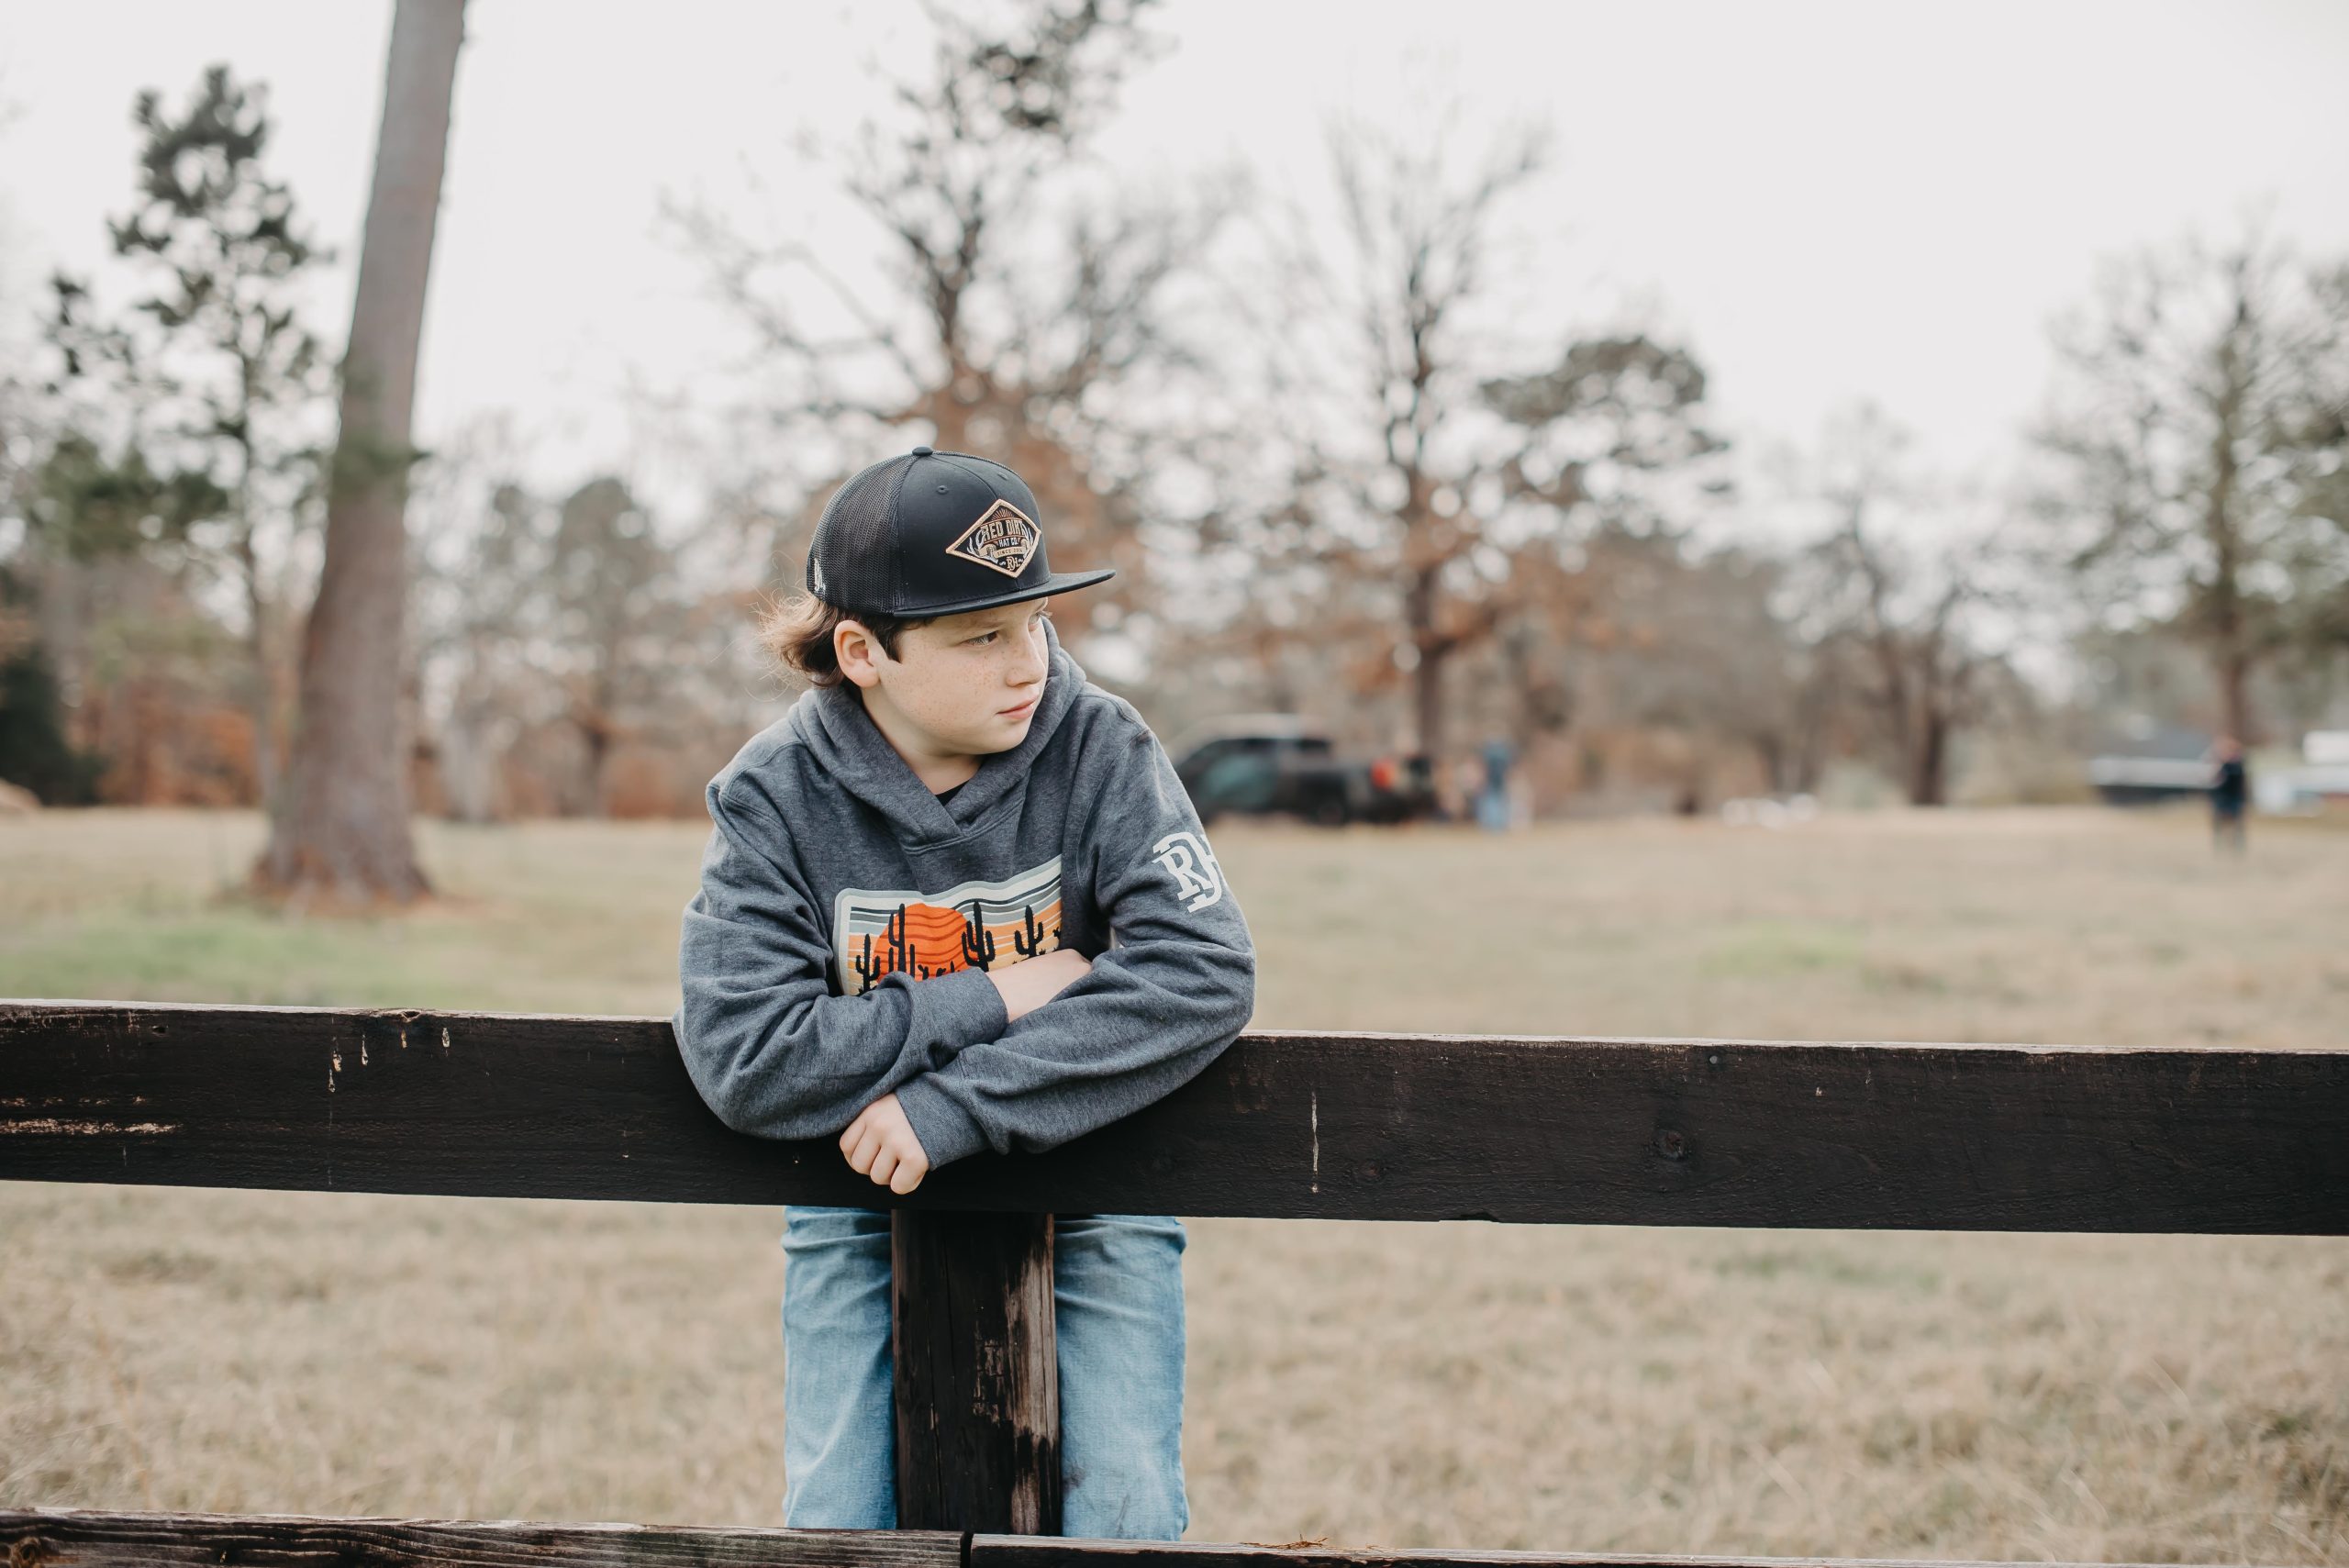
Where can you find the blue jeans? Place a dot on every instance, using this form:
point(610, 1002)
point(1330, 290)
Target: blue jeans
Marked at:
point(1117, 1318)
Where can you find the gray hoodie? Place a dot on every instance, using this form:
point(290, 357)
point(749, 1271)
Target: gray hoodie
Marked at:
point(838, 947)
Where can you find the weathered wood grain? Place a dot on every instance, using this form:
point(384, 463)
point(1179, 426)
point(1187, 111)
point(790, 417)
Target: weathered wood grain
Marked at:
point(78, 1538)
point(1023, 1552)
point(74, 1537)
point(1283, 1125)
point(976, 1371)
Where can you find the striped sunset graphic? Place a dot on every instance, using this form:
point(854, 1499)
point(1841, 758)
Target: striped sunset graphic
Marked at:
point(986, 925)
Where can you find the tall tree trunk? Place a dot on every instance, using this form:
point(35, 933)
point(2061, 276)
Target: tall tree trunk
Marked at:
point(343, 834)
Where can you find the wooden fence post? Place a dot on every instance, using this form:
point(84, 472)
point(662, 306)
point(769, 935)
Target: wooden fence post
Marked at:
point(976, 1371)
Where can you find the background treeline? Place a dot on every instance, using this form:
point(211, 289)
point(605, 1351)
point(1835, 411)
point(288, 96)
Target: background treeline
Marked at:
point(1345, 459)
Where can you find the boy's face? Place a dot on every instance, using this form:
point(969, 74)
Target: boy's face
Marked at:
point(963, 685)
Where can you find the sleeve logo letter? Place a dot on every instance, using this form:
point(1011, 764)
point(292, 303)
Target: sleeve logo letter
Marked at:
point(1188, 860)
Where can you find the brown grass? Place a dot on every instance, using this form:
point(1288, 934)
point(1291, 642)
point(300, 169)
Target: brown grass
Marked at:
point(2156, 1398)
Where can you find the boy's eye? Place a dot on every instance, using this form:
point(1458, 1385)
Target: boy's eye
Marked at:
point(981, 639)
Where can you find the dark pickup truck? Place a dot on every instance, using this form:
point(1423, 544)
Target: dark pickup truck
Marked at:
point(1280, 762)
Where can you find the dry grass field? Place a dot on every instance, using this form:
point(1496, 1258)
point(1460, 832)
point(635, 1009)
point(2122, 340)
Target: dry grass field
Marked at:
point(2157, 1398)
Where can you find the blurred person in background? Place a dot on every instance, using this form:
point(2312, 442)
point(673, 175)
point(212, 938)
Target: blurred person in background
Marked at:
point(2230, 783)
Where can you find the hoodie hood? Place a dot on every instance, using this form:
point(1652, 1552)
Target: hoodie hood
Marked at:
point(831, 721)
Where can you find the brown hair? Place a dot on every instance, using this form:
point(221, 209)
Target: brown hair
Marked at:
point(798, 634)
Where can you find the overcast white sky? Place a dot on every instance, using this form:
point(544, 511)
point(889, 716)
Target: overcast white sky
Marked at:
point(1824, 200)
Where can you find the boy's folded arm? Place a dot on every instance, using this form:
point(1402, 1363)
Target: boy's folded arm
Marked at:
point(1158, 1006)
point(772, 1050)
point(1148, 1019)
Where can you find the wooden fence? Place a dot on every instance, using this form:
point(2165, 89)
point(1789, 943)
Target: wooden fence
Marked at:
point(1300, 1124)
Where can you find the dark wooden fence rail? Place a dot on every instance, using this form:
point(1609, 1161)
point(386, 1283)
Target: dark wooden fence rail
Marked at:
point(1725, 1133)
point(1537, 1129)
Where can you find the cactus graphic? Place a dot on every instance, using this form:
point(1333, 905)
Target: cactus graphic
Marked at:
point(901, 951)
point(978, 942)
point(1030, 937)
point(866, 971)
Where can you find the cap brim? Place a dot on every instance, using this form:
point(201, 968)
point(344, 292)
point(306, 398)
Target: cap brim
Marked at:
point(1059, 583)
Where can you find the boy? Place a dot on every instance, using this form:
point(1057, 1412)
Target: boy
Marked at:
point(956, 900)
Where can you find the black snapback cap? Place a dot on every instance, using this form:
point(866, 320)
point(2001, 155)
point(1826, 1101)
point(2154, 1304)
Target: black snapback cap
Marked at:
point(932, 533)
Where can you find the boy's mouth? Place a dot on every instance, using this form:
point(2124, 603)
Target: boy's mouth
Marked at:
point(1020, 712)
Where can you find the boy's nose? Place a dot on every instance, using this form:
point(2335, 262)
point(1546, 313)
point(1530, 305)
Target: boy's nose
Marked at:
point(1036, 663)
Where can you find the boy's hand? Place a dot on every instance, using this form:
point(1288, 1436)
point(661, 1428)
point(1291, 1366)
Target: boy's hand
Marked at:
point(1029, 984)
point(880, 1143)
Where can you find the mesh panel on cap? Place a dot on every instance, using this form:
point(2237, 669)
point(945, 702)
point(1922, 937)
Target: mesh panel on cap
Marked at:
point(859, 554)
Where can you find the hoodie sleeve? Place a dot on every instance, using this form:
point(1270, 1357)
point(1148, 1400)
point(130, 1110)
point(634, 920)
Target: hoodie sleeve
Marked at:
point(773, 1051)
point(1176, 986)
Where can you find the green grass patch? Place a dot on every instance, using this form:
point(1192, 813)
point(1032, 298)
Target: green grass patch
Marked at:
point(1766, 949)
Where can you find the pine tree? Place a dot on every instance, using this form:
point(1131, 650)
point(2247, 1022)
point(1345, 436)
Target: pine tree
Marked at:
point(227, 388)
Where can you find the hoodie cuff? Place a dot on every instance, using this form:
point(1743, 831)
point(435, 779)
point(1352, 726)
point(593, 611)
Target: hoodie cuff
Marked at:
point(970, 1009)
point(946, 1130)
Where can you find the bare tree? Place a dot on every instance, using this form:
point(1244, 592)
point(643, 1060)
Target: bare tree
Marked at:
point(2196, 412)
point(1435, 489)
point(343, 834)
point(1011, 317)
point(1892, 612)
point(2318, 441)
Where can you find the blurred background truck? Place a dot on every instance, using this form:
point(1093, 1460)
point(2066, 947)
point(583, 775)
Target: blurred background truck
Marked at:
point(1266, 762)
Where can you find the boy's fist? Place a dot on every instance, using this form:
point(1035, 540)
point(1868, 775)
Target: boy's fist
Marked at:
point(880, 1143)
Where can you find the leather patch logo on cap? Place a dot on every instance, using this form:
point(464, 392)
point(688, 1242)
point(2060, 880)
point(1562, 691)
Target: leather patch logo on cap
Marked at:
point(1004, 538)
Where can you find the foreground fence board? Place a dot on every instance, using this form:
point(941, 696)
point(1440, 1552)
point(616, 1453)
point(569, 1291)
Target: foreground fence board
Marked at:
point(1031, 1552)
point(74, 1537)
point(1283, 1125)
point(79, 1538)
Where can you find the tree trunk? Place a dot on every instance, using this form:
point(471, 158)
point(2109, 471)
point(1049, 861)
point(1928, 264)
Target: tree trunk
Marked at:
point(264, 708)
point(265, 692)
point(2235, 693)
point(1427, 675)
point(599, 746)
point(1929, 762)
point(1427, 700)
point(2223, 608)
point(61, 610)
point(343, 834)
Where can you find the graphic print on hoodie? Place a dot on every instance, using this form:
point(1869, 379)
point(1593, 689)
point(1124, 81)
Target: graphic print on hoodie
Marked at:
point(974, 925)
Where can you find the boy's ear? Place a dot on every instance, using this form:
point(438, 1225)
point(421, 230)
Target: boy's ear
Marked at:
point(858, 653)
